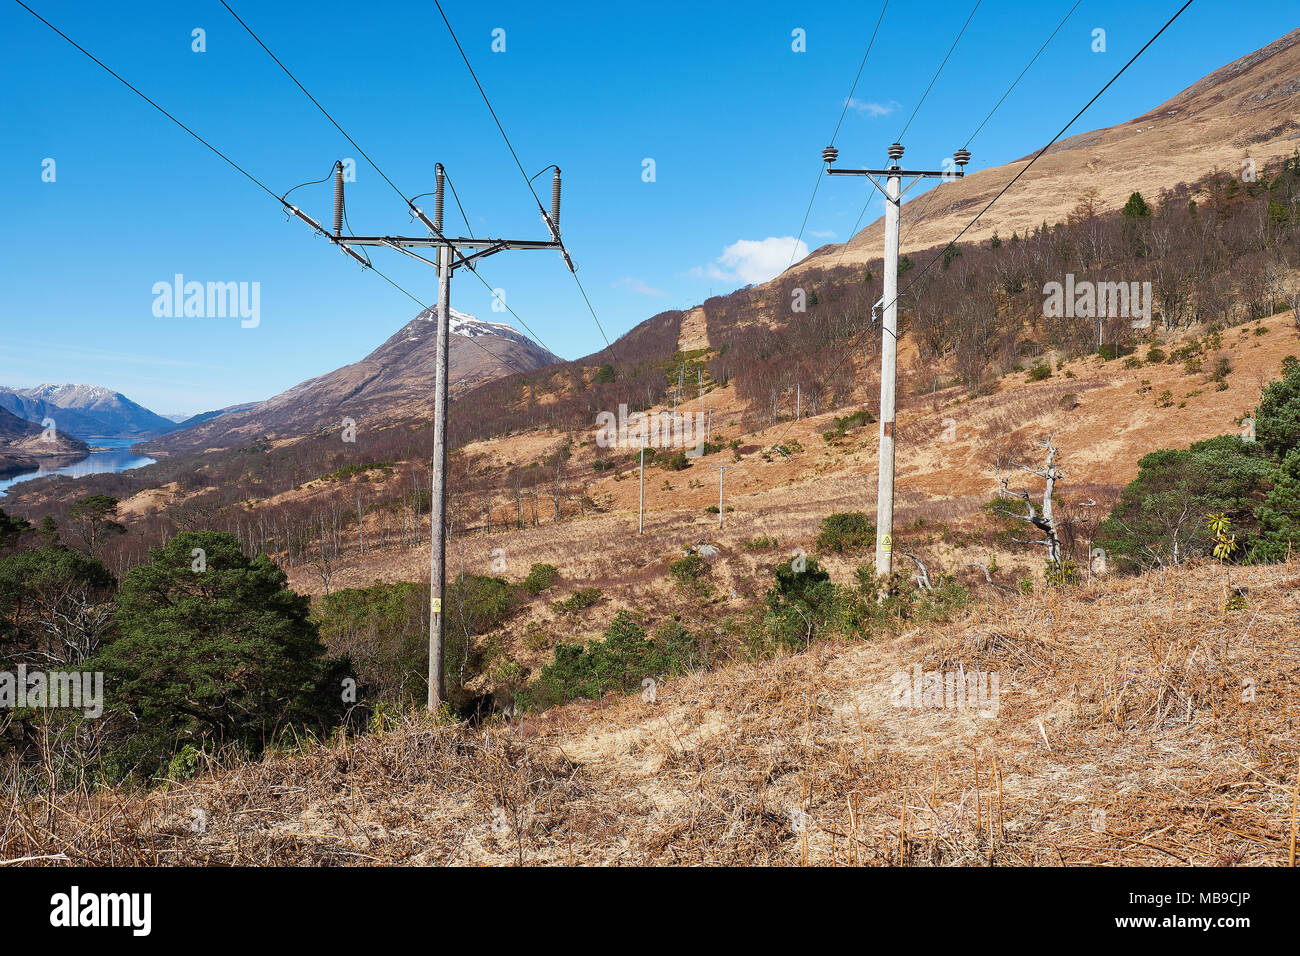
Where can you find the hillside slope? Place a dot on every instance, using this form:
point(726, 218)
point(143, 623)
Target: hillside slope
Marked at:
point(1120, 734)
point(22, 448)
point(394, 381)
point(1249, 108)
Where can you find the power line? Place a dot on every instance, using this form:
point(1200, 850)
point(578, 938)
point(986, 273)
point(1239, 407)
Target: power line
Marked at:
point(1052, 142)
point(899, 138)
point(111, 73)
point(449, 251)
point(251, 178)
point(843, 112)
point(1048, 146)
point(366, 155)
point(528, 182)
point(934, 207)
point(933, 79)
point(1051, 37)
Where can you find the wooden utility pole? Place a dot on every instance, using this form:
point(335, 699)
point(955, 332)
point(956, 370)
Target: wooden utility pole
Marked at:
point(893, 194)
point(438, 503)
point(450, 257)
point(640, 511)
point(721, 470)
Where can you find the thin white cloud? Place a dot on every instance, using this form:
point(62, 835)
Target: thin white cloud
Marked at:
point(872, 108)
point(635, 285)
point(751, 261)
point(822, 233)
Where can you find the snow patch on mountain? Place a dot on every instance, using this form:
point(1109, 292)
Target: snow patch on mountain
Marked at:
point(463, 324)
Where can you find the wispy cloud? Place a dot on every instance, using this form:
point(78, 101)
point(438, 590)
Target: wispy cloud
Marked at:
point(93, 354)
point(753, 260)
point(873, 109)
point(635, 285)
point(822, 233)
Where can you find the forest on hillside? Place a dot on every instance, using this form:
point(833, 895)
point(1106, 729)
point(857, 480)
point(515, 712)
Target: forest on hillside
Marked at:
point(1218, 253)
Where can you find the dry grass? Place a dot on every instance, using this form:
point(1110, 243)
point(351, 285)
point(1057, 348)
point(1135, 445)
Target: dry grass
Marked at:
point(1121, 737)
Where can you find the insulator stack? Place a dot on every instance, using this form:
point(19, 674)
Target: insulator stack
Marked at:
point(962, 157)
point(439, 179)
point(338, 198)
point(830, 154)
point(555, 200)
point(896, 152)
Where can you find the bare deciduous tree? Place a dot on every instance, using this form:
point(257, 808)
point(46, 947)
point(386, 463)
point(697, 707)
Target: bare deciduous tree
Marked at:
point(1045, 519)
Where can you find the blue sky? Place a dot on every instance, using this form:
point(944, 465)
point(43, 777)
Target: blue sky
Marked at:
point(733, 118)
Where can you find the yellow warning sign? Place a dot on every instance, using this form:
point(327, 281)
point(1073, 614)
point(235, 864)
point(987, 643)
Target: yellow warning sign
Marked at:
point(437, 605)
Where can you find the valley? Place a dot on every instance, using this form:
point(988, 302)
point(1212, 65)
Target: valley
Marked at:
point(1076, 645)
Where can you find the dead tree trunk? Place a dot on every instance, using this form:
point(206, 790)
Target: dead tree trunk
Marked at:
point(1044, 520)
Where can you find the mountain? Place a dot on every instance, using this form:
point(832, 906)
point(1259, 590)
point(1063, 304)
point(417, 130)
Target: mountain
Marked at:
point(23, 447)
point(394, 381)
point(1249, 108)
point(87, 411)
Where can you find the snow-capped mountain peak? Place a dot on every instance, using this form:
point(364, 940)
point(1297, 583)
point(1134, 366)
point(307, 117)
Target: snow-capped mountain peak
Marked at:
point(463, 324)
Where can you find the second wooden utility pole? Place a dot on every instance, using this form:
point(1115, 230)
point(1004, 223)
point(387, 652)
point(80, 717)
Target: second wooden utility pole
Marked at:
point(721, 471)
point(893, 194)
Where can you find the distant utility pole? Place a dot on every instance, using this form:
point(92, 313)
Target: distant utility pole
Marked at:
point(798, 401)
point(450, 258)
point(889, 334)
point(721, 471)
point(640, 511)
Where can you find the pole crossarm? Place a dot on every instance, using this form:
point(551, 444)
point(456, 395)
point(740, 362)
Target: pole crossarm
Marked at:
point(432, 242)
point(895, 171)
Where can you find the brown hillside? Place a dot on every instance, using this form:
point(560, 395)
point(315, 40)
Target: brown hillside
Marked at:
point(1251, 107)
point(1121, 735)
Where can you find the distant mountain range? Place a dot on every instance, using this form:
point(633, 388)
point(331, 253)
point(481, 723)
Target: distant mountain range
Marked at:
point(86, 411)
point(394, 381)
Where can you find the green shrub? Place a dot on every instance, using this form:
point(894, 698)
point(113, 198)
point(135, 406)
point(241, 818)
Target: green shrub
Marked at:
point(1160, 516)
point(540, 577)
point(689, 569)
point(846, 531)
point(1039, 372)
point(579, 600)
point(855, 420)
point(1065, 574)
point(479, 602)
point(383, 629)
point(224, 657)
point(800, 603)
point(620, 661)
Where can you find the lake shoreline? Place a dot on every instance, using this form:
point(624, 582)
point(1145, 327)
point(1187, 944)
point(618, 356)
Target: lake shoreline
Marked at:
point(104, 456)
